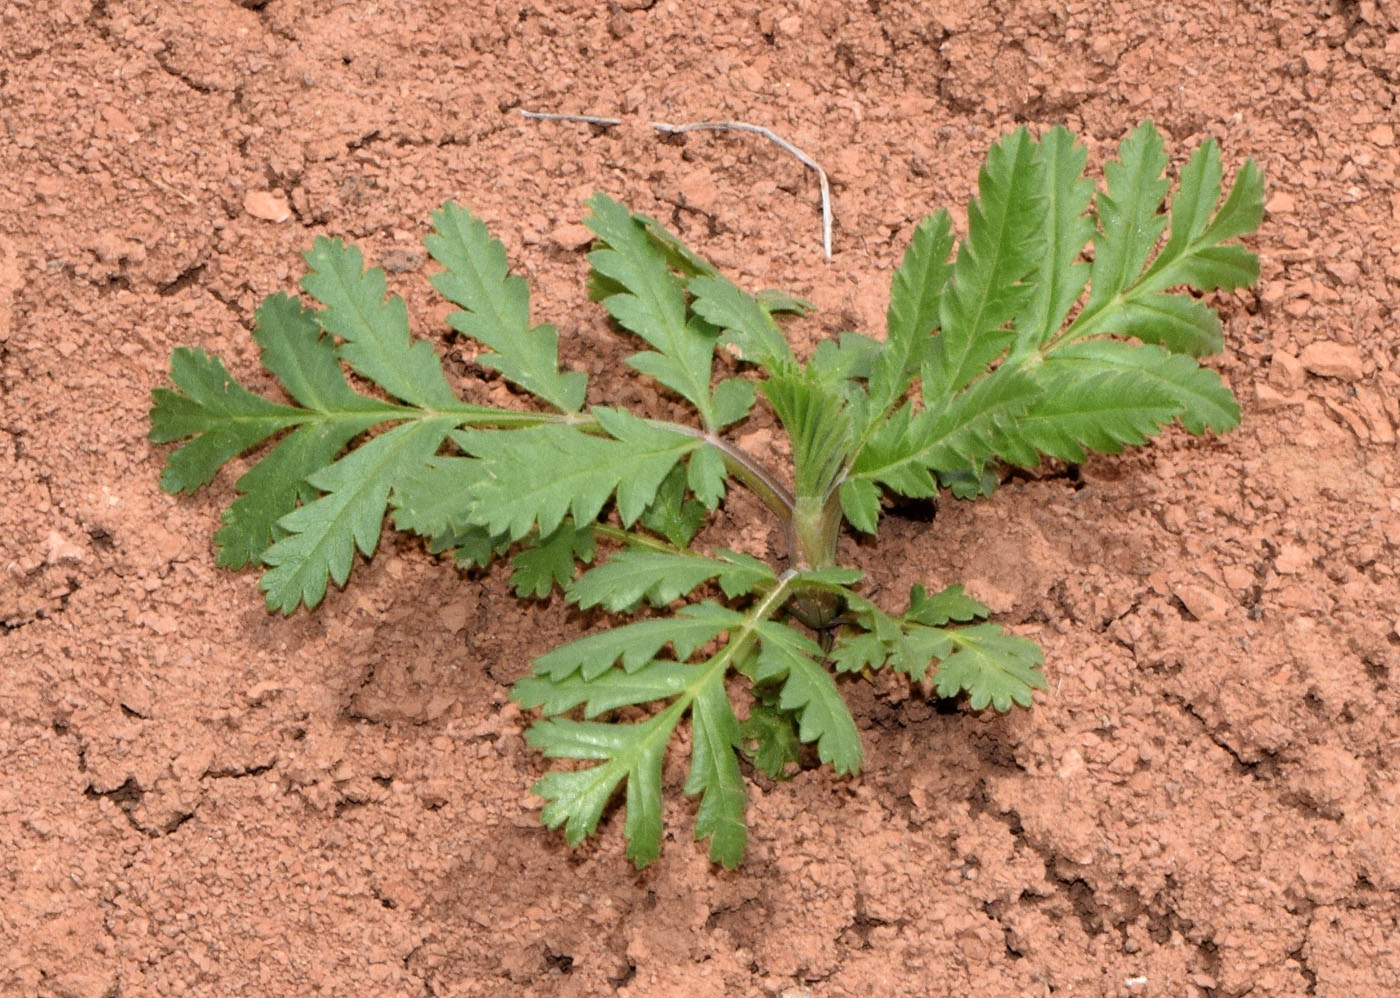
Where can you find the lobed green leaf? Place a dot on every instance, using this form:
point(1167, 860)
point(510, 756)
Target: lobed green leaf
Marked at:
point(661, 577)
point(539, 475)
point(809, 690)
point(322, 536)
point(224, 418)
point(651, 303)
point(550, 561)
point(715, 776)
point(636, 644)
point(913, 314)
point(991, 666)
point(988, 286)
point(377, 343)
point(496, 309)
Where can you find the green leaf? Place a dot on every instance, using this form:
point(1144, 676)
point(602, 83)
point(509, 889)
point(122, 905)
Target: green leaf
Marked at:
point(435, 497)
point(274, 486)
point(377, 341)
point(652, 305)
point(769, 740)
point(951, 603)
point(746, 324)
point(672, 515)
point(471, 546)
point(714, 774)
point(679, 256)
point(968, 483)
point(1194, 254)
point(986, 289)
point(657, 680)
point(733, 400)
point(550, 562)
point(1060, 275)
point(913, 312)
point(636, 644)
point(576, 799)
point(660, 578)
point(224, 418)
point(809, 690)
point(323, 535)
point(1129, 220)
point(856, 651)
point(964, 433)
point(1094, 409)
point(777, 300)
point(654, 451)
point(910, 643)
point(849, 357)
point(707, 475)
point(991, 666)
point(1203, 399)
point(860, 503)
point(304, 360)
point(496, 309)
point(1180, 323)
point(541, 474)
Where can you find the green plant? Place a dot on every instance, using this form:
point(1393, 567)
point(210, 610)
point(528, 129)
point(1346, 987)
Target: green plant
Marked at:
point(981, 363)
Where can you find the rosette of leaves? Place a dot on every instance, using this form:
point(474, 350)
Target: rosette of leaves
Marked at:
point(1066, 321)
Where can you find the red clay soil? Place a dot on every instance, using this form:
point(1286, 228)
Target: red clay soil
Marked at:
point(205, 799)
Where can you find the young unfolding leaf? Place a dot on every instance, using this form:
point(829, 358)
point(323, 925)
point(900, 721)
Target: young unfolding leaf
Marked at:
point(769, 740)
point(671, 514)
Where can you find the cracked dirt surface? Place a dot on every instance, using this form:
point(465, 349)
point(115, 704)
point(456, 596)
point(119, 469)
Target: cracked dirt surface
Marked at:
point(205, 799)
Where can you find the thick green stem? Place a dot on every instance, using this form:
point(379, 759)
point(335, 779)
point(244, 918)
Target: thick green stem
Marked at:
point(816, 525)
point(816, 529)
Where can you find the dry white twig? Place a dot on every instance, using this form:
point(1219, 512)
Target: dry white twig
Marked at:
point(718, 126)
point(586, 119)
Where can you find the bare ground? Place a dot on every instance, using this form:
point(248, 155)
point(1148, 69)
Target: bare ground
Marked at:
point(205, 799)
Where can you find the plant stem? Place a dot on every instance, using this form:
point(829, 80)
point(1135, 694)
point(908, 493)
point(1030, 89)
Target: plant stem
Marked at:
point(743, 466)
point(816, 525)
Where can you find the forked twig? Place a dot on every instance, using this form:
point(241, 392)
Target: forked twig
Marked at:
point(802, 157)
point(717, 126)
